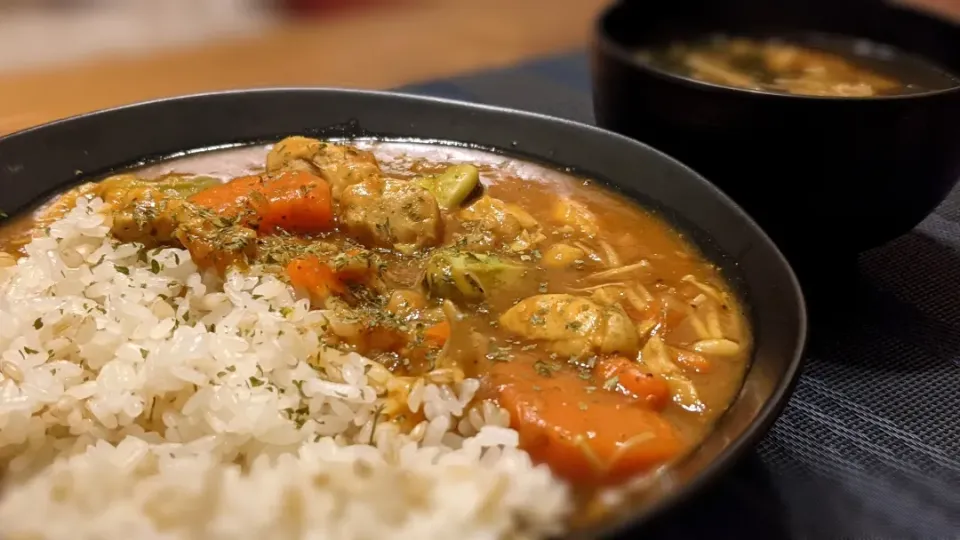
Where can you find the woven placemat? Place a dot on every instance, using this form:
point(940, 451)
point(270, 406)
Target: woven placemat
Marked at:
point(869, 444)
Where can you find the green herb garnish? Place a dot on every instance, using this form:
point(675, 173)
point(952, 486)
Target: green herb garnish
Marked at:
point(545, 369)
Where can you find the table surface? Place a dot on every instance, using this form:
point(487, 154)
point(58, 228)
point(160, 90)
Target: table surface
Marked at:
point(382, 45)
point(869, 444)
point(374, 44)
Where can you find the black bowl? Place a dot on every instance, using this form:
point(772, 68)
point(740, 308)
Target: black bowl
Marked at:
point(825, 177)
point(40, 160)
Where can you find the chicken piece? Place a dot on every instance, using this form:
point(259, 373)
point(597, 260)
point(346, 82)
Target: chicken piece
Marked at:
point(369, 330)
point(142, 210)
point(572, 325)
point(392, 214)
point(157, 212)
point(505, 219)
point(405, 303)
point(563, 256)
point(507, 222)
point(154, 216)
point(576, 216)
point(341, 166)
point(150, 219)
point(113, 190)
point(214, 241)
point(124, 189)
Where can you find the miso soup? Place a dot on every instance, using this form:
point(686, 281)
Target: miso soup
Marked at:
point(813, 66)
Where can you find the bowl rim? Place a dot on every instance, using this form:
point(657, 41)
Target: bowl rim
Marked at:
point(609, 45)
point(766, 414)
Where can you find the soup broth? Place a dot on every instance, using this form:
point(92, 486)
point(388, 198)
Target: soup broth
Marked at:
point(815, 67)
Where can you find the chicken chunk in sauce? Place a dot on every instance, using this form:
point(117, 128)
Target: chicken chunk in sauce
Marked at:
point(394, 214)
point(341, 166)
point(572, 325)
point(610, 341)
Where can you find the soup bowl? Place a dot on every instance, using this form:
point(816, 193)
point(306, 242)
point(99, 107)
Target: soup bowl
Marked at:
point(43, 160)
point(826, 176)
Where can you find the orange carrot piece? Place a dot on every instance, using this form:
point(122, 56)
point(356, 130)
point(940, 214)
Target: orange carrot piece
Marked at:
point(229, 198)
point(623, 375)
point(356, 268)
point(318, 279)
point(584, 433)
point(437, 334)
point(692, 361)
point(671, 318)
point(298, 202)
point(295, 201)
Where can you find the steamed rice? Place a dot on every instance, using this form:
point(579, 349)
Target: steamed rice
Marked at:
point(142, 399)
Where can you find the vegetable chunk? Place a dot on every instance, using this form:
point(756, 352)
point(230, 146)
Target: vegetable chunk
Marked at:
point(293, 201)
point(585, 434)
point(572, 325)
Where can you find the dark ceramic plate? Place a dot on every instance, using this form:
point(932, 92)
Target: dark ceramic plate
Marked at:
point(38, 161)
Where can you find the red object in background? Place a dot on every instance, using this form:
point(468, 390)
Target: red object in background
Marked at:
point(304, 7)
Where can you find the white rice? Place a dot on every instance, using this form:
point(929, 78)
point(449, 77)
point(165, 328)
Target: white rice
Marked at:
point(140, 399)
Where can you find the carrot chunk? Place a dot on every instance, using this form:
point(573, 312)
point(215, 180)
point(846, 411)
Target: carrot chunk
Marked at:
point(230, 198)
point(311, 275)
point(295, 201)
point(627, 377)
point(692, 361)
point(584, 433)
point(437, 334)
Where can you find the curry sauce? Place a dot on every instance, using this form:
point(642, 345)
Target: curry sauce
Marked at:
point(607, 336)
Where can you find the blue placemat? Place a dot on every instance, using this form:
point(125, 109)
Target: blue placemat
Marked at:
point(869, 445)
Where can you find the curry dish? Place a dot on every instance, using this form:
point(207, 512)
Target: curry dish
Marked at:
point(774, 65)
point(609, 339)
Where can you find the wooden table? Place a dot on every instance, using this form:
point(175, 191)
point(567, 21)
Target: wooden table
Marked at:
point(395, 43)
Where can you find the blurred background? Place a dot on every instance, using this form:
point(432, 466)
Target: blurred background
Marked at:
point(63, 57)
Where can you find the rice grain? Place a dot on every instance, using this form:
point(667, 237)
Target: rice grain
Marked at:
point(142, 399)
